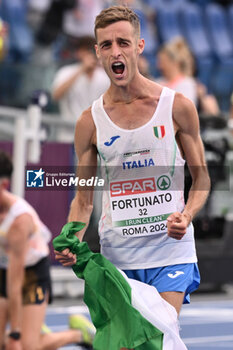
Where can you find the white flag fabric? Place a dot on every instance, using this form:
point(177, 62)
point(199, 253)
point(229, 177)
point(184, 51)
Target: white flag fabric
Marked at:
point(157, 311)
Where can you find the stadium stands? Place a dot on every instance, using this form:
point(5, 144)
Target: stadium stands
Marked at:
point(156, 4)
point(195, 31)
point(20, 35)
point(221, 83)
point(151, 39)
point(193, 22)
point(207, 27)
point(219, 35)
point(168, 24)
point(147, 33)
point(230, 21)
point(210, 38)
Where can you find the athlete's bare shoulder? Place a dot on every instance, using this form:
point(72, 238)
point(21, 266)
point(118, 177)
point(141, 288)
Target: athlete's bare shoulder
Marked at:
point(185, 115)
point(22, 224)
point(85, 129)
point(85, 119)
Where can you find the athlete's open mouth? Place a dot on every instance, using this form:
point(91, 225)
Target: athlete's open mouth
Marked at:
point(118, 67)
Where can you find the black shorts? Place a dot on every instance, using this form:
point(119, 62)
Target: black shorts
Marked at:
point(36, 285)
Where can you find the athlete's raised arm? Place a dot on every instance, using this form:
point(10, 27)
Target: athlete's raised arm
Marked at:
point(82, 204)
point(186, 124)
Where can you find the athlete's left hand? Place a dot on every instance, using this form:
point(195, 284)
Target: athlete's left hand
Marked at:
point(66, 257)
point(177, 224)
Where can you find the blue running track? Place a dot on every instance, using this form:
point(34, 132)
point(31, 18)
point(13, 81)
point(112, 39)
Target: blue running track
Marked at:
point(205, 325)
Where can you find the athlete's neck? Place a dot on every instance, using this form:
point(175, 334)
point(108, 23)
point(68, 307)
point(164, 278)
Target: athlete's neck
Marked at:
point(121, 101)
point(127, 94)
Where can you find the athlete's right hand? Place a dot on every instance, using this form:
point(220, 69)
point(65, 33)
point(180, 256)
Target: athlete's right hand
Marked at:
point(66, 258)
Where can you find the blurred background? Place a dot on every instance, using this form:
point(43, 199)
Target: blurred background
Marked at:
point(49, 74)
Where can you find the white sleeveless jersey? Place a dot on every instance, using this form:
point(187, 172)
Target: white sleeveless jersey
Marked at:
point(144, 179)
point(38, 241)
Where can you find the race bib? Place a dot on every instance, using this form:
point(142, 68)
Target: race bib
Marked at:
point(140, 207)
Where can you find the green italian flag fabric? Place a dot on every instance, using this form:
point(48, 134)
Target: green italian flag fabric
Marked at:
point(126, 313)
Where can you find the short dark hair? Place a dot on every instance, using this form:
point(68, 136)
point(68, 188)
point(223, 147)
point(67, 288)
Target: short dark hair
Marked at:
point(6, 167)
point(115, 14)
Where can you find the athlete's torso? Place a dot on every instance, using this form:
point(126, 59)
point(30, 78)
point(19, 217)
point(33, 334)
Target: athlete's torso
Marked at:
point(144, 170)
point(38, 241)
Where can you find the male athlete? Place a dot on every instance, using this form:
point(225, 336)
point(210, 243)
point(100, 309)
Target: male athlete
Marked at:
point(143, 134)
point(25, 278)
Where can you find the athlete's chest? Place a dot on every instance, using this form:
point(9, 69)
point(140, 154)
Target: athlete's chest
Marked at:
point(132, 115)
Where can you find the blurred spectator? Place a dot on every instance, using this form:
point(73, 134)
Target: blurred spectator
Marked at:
point(64, 22)
point(3, 39)
point(14, 13)
point(79, 21)
point(39, 6)
point(49, 32)
point(53, 21)
point(76, 86)
point(36, 12)
point(144, 67)
point(207, 103)
point(177, 65)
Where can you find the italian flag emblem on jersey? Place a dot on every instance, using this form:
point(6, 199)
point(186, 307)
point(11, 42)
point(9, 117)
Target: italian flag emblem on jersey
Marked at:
point(126, 313)
point(159, 131)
